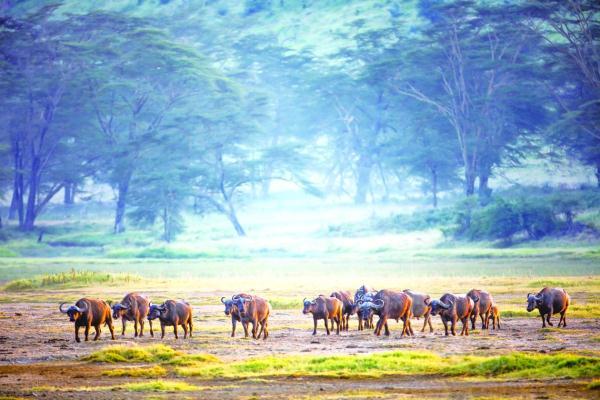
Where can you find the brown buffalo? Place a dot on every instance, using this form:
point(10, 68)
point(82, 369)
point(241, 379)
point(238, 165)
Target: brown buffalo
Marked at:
point(483, 307)
point(421, 307)
point(495, 317)
point(389, 304)
point(253, 310)
point(346, 298)
point(550, 301)
point(87, 313)
point(324, 308)
point(134, 307)
point(452, 308)
point(173, 313)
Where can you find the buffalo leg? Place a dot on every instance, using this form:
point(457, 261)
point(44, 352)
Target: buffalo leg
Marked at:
point(265, 329)
point(151, 331)
point(185, 330)
point(111, 328)
point(410, 329)
point(162, 330)
point(453, 326)
point(429, 322)
point(123, 323)
point(331, 323)
point(473, 318)
point(465, 328)
point(190, 323)
point(543, 321)
point(77, 333)
point(245, 326)
point(141, 327)
point(360, 324)
point(175, 329)
point(548, 317)
point(564, 318)
point(337, 322)
point(498, 321)
point(135, 328)
point(327, 326)
point(87, 331)
point(445, 326)
point(315, 329)
point(254, 329)
point(387, 328)
point(97, 329)
point(233, 324)
point(377, 327)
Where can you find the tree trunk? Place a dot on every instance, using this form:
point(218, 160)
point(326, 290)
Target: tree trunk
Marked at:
point(166, 226)
point(598, 175)
point(69, 197)
point(434, 187)
point(16, 204)
point(363, 179)
point(123, 188)
point(484, 191)
point(31, 211)
point(469, 181)
point(234, 220)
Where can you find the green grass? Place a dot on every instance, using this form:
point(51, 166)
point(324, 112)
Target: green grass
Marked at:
point(169, 253)
point(158, 353)
point(159, 386)
point(69, 279)
point(4, 252)
point(138, 372)
point(514, 365)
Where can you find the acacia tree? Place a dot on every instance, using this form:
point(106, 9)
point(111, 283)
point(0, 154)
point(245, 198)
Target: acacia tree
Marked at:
point(466, 64)
point(569, 30)
point(42, 76)
point(141, 77)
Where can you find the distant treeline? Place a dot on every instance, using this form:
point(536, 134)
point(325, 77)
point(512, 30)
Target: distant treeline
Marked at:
point(174, 103)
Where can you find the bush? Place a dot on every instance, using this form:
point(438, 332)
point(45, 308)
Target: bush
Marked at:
point(536, 218)
point(499, 220)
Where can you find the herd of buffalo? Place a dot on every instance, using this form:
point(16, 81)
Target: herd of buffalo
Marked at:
point(334, 309)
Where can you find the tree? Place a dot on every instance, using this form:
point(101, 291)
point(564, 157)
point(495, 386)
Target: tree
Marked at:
point(569, 30)
point(467, 64)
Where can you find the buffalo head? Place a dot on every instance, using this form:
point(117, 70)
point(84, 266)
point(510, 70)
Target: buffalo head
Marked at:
point(309, 306)
point(73, 312)
point(438, 306)
point(156, 311)
point(533, 301)
point(119, 309)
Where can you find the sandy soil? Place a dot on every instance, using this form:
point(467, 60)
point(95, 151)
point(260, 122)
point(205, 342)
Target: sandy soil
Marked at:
point(37, 348)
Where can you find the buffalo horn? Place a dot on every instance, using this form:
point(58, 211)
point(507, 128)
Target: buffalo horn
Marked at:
point(222, 300)
point(61, 309)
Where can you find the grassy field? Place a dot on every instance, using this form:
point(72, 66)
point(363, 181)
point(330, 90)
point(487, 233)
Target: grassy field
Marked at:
point(285, 264)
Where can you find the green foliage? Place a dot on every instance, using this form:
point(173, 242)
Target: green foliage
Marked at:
point(4, 252)
point(160, 386)
point(74, 278)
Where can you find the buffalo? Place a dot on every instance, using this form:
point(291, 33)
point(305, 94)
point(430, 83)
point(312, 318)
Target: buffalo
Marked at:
point(134, 307)
point(87, 313)
point(324, 308)
point(173, 313)
point(452, 308)
point(231, 309)
point(495, 317)
point(483, 307)
point(389, 304)
point(346, 298)
point(550, 301)
point(367, 313)
point(421, 307)
point(256, 311)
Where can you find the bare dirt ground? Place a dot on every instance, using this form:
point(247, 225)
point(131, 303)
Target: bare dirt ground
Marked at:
point(37, 348)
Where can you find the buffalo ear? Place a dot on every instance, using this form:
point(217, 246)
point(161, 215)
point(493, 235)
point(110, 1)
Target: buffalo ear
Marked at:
point(528, 294)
